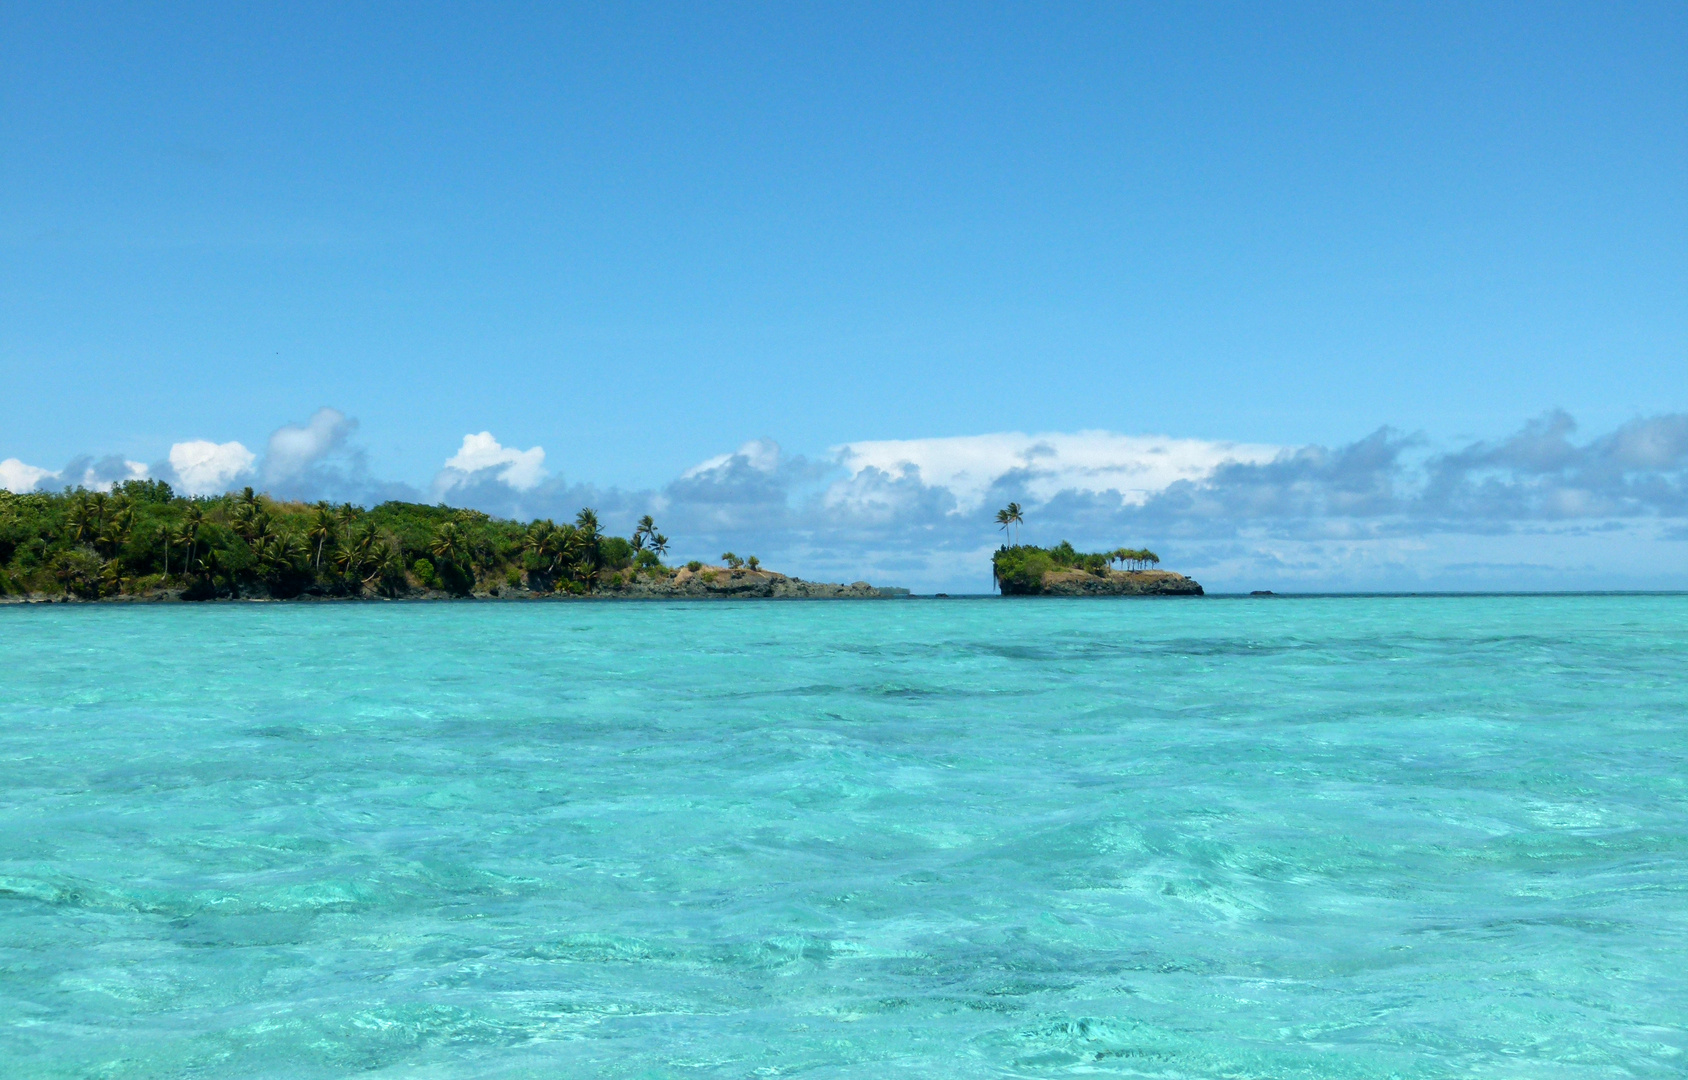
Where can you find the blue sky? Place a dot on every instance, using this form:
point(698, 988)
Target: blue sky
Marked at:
point(643, 238)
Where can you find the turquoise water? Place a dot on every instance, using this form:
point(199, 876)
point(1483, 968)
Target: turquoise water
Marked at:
point(1352, 837)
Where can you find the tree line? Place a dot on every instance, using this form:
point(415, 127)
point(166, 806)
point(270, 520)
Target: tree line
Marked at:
point(141, 537)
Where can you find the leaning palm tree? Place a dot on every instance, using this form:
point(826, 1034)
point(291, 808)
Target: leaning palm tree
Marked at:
point(1003, 521)
point(1015, 518)
point(384, 561)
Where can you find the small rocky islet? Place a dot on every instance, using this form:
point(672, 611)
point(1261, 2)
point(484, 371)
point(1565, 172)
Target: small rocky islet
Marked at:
point(1062, 570)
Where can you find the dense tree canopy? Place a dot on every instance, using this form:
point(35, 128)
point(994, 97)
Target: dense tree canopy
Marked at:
point(139, 538)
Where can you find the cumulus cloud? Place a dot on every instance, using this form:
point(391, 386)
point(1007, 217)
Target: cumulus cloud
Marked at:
point(972, 467)
point(203, 467)
point(294, 448)
point(96, 475)
point(105, 473)
point(19, 478)
point(482, 457)
point(757, 455)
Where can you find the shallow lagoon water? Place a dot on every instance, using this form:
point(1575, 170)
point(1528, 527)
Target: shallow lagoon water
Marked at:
point(1345, 837)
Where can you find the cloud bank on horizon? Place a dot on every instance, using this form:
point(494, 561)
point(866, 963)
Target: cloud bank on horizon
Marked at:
point(1539, 509)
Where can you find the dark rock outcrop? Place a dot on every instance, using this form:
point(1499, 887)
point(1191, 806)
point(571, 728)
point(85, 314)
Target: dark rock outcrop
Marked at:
point(1108, 583)
point(721, 583)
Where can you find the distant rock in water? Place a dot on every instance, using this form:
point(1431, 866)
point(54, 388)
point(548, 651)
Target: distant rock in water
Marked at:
point(1107, 583)
point(724, 583)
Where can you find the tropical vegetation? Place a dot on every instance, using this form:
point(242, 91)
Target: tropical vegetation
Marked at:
point(1020, 568)
point(140, 538)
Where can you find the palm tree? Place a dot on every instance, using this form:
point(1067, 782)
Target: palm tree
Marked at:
point(347, 557)
point(659, 545)
point(211, 564)
point(191, 523)
point(585, 544)
point(83, 522)
point(353, 554)
point(551, 544)
point(322, 529)
point(384, 561)
point(116, 529)
point(1010, 515)
point(448, 543)
point(111, 576)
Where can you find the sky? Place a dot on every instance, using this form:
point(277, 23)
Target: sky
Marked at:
point(1303, 296)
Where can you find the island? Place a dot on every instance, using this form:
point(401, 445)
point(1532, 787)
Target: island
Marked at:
point(140, 541)
point(1023, 570)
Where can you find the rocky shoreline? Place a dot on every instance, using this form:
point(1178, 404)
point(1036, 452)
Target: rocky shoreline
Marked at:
point(704, 583)
point(1109, 583)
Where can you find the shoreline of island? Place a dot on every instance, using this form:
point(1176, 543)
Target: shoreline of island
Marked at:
point(142, 543)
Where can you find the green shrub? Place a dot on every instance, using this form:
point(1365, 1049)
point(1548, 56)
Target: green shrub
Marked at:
point(1021, 569)
point(616, 553)
point(694, 566)
point(424, 571)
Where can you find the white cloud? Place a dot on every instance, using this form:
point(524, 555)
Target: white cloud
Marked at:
point(203, 467)
point(293, 448)
point(763, 455)
point(1136, 466)
point(105, 475)
point(19, 478)
point(102, 475)
point(519, 469)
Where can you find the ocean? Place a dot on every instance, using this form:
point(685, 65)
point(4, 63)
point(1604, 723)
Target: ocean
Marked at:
point(1276, 838)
